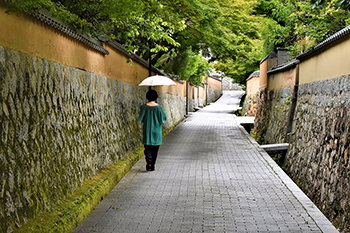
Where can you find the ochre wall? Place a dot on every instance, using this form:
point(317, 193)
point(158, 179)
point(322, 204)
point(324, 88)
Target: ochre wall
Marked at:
point(201, 92)
point(31, 36)
point(214, 83)
point(330, 62)
point(179, 89)
point(115, 66)
point(253, 85)
point(263, 74)
point(191, 91)
point(281, 80)
point(44, 41)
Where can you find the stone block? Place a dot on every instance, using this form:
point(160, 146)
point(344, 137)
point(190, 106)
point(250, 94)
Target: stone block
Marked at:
point(316, 88)
point(304, 89)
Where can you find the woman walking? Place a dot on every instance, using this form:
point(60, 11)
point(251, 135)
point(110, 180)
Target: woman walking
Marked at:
point(152, 115)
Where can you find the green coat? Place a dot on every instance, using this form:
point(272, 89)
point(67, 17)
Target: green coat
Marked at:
point(152, 118)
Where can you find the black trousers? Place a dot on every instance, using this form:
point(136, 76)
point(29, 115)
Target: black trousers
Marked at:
point(151, 153)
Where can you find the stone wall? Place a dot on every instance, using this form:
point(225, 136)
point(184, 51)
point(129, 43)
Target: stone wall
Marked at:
point(250, 105)
point(227, 84)
point(174, 107)
point(273, 116)
point(213, 94)
point(59, 127)
point(314, 119)
point(318, 131)
point(318, 156)
point(279, 102)
point(200, 103)
point(195, 104)
point(261, 118)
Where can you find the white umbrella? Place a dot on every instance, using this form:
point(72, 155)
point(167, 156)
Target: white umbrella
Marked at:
point(157, 80)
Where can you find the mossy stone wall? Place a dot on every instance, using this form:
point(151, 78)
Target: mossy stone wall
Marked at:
point(250, 105)
point(213, 94)
point(174, 107)
point(261, 118)
point(318, 159)
point(271, 120)
point(279, 102)
point(60, 126)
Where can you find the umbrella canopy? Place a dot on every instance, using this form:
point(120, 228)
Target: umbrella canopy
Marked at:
point(157, 80)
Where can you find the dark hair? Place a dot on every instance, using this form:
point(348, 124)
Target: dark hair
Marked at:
point(151, 95)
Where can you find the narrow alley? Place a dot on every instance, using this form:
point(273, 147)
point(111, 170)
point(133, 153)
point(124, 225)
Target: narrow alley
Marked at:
point(211, 176)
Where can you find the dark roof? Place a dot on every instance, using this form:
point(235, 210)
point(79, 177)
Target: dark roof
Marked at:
point(284, 66)
point(329, 40)
point(96, 44)
point(215, 77)
point(59, 25)
point(274, 53)
point(269, 56)
point(254, 74)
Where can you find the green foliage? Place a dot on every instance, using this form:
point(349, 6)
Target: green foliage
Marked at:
point(287, 102)
point(278, 108)
point(242, 54)
point(256, 135)
point(236, 34)
point(188, 66)
point(299, 25)
point(225, 29)
point(57, 10)
point(344, 4)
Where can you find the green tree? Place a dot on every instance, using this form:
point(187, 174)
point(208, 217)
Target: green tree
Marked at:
point(236, 34)
point(344, 4)
point(189, 66)
point(207, 26)
point(241, 52)
point(299, 25)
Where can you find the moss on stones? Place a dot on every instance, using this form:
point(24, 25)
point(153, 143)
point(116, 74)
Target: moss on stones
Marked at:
point(66, 214)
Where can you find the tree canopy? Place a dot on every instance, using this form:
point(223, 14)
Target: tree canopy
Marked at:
point(299, 25)
point(236, 34)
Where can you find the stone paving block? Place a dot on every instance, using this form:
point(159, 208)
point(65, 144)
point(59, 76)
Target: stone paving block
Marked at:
point(210, 176)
